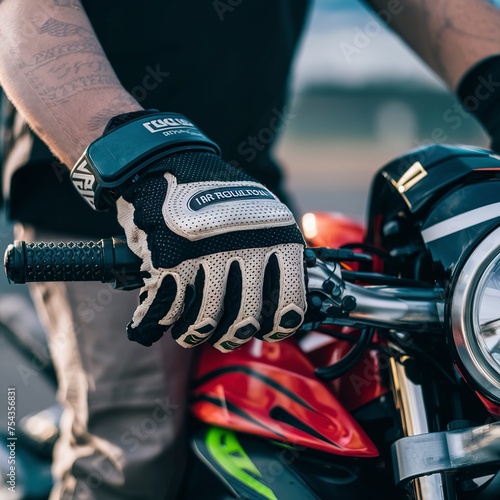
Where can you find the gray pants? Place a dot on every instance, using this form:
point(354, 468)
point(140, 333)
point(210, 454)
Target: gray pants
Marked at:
point(125, 404)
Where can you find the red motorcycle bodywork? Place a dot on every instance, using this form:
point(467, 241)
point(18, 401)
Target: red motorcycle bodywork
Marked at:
point(332, 230)
point(362, 383)
point(270, 389)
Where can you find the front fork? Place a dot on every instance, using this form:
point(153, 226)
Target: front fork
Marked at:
point(409, 401)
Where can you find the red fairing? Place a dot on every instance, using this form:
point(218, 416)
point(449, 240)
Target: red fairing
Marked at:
point(492, 407)
point(362, 383)
point(270, 389)
point(327, 229)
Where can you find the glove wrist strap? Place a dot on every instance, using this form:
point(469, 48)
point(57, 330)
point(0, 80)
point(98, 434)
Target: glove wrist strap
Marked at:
point(112, 163)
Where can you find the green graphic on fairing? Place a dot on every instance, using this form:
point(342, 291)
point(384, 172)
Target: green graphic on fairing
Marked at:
point(225, 448)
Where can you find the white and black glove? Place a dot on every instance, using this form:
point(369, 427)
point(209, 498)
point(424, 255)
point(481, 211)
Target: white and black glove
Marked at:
point(224, 256)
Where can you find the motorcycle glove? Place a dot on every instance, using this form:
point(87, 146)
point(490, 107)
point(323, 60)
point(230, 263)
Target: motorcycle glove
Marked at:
point(223, 256)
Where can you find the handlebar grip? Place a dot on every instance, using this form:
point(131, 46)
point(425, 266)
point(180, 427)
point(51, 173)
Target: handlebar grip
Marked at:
point(108, 261)
point(28, 262)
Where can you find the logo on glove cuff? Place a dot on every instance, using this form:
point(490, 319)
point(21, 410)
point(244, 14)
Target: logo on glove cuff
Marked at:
point(220, 195)
point(167, 124)
point(84, 181)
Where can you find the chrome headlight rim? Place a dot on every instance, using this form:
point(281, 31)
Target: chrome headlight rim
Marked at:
point(484, 372)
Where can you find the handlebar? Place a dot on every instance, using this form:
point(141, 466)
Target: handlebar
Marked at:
point(330, 297)
point(108, 261)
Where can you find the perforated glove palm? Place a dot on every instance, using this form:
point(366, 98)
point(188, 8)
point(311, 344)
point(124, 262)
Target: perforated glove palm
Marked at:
point(223, 255)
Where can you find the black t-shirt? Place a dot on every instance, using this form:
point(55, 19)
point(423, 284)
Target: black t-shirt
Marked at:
point(224, 64)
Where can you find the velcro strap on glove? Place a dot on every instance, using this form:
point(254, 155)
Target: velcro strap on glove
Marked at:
point(130, 144)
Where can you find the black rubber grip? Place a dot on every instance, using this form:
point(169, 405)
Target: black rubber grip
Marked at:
point(107, 261)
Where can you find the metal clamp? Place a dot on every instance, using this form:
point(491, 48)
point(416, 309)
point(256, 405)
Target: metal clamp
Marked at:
point(446, 451)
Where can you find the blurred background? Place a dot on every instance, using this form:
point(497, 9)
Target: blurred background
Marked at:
point(359, 97)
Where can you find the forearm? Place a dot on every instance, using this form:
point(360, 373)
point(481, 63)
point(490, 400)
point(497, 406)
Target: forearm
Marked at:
point(54, 70)
point(450, 35)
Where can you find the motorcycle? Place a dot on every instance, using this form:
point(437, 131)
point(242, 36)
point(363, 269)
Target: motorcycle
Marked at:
point(391, 388)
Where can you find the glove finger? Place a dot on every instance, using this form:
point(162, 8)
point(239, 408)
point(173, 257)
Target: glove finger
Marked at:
point(232, 305)
point(242, 306)
point(156, 297)
point(290, 294)
point(270, 296)
point(193, 303)
point(203, 314)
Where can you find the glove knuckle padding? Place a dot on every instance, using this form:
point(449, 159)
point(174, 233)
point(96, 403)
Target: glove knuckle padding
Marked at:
point(195, 212)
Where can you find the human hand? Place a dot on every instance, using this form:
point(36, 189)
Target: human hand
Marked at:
point(224, 256)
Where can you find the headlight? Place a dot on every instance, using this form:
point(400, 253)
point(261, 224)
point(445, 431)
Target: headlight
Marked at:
point(475, 316)
point(486, 318)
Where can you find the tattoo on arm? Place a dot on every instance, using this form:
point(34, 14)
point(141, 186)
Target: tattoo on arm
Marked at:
point(454, 22)
point(87, 45)
point(100, 120)
point(450, 35)
point(72, 4)
point(53, 27)
point(60, 71)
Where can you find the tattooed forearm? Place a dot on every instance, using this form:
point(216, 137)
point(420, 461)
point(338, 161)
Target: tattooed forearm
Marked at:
point(74, 4)
point(64, 69)
point(58, 76)
point(450, 35)
point(60, 94)
point(67, 69)
point(451, 23)
point(53, 27)
point(87, 45)
point(99, 121)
